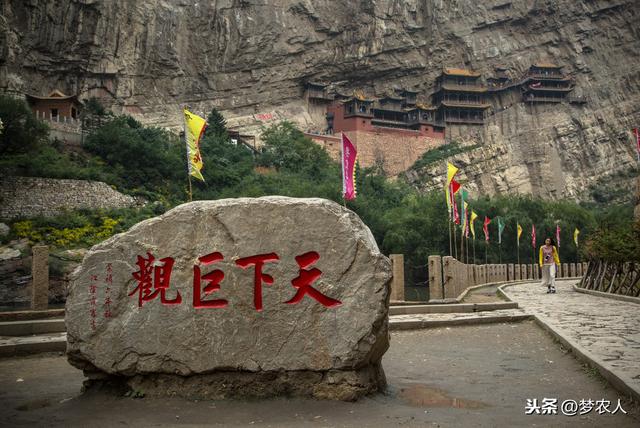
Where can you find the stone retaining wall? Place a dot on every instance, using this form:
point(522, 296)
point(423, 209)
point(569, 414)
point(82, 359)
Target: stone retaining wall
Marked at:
point(31, 196)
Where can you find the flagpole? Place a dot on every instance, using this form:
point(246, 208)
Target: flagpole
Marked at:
point(466, 238)
point(486, 250)
point(500, 252)
point(463, 220)
point(450, 209)
point(450, 239)
point(455, 241)
point(184, 129)
point(462, 244)
point(474, 250)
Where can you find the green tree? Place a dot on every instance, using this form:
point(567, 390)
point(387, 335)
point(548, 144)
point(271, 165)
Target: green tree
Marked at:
point(225, 164)
point(22, 131)
point(93, 107)
point(287, 149)
point(143, 158)
point(216, 125)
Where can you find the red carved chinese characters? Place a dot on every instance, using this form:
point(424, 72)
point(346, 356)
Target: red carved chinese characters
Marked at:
point(306, 277)
point(214, 278)
point(154, 278)
point(108, 280)
point(93, 287)
point(258, 276)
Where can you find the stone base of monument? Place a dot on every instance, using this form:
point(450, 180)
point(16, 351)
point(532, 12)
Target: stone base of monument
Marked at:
point(235, 298)
point(330, 385)
point(344, 385)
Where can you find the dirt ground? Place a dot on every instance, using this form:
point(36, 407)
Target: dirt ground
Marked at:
point(479, 376)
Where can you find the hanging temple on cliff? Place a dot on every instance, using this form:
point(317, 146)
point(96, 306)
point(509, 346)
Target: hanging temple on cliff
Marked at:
point(460, 98)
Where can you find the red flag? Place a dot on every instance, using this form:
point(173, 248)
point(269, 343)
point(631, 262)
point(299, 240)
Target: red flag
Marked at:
point(349, 155)
point(637, 135)
point(558, 235)
point(455, 186)
point(533, 235)
point(466, 223)
point(456, 214)
point(487, 220)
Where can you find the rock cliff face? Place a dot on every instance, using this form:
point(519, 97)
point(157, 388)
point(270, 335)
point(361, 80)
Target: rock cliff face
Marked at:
point(250, 59)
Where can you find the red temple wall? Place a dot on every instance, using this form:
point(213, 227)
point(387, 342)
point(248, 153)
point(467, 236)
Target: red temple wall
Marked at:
point(398, 151)
point(43, 107)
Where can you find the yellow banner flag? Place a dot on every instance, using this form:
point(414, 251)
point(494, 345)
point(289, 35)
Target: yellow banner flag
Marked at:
point(451, 171)
point(473, 217)
point(448, 196)
point(194, 127)
point(519, 232)
point(575, 236)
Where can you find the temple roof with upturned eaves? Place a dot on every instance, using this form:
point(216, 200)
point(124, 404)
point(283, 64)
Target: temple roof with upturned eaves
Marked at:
point(460, 72)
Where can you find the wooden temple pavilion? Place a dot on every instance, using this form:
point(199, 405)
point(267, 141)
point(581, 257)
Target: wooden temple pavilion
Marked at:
point(317, 92)
point(547, 84)
point(56, 106)
point(389, 112)
point(500, 80)
point(460, 97)
point(409, 96)
point(349, 114)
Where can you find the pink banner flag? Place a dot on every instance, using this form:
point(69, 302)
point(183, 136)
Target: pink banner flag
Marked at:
point(349, 155)
point(533, 236)
point(487, 221)
point(636, 133)
point(558, 235)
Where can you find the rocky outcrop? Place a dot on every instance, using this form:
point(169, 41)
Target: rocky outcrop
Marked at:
point(250, 59)
point(236, 297)
point(552, 151)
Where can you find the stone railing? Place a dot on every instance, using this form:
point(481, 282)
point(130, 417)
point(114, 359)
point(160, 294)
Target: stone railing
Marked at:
point(449, 279)
point(609, 277)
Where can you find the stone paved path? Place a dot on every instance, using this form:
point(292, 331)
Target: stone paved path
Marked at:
point(607, 329)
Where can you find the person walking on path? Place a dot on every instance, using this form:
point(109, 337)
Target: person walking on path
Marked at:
point(549, 259)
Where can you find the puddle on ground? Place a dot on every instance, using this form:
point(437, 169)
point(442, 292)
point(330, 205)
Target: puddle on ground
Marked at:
point(424, 396)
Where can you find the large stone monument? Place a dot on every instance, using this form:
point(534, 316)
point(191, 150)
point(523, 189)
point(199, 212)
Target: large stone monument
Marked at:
point(233, 298)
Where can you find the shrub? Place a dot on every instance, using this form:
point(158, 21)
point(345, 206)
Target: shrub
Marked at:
point(441, 153)
point(615, 243)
